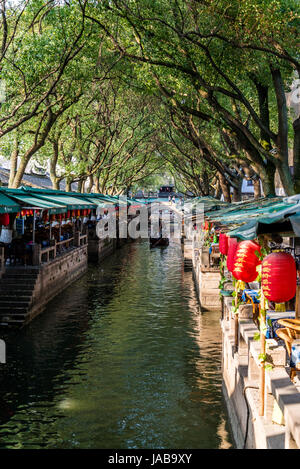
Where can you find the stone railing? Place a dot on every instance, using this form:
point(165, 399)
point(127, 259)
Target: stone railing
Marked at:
point(61, 246)
point(80, 239)
point(45, 255)
point(279, 427)
point(2, 260)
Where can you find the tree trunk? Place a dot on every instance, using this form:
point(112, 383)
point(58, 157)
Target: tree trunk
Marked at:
point(55, 184)
point(263, 99)
point(96, 184)
point(205, 183)
point(68, 185)
point(53, 163)
point(90, 184)
point(296, 155)
point(13, 162)
point(79, 185)
point(20, 173)
point(237, 194)
point(286, 178)
point(257, 188)
point(224, 187)
point(267, 177)
point(218, 190)
point(40, 139)
point(282, 139)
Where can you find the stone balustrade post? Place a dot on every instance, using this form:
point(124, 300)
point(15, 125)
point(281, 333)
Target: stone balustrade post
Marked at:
point(77, 239)
point(2, 260)
point(36, 254)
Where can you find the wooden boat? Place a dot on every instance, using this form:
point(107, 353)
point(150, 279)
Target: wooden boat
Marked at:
point(157, 242)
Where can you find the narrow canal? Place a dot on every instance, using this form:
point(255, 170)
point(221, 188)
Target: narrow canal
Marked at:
point(121, 359)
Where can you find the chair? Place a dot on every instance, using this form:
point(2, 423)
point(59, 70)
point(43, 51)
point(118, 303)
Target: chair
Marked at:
point(18, 251)
point(255, 308)
point(289, 333)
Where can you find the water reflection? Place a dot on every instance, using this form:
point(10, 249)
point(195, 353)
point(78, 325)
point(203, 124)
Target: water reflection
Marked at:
point(121, 359)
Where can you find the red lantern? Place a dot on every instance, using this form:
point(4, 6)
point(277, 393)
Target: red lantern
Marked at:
point(246, 261)
point(232, 247)
point(4, 219)
point(73, 213)
point(223, 244)
point(68, 214)
point(85, 212)
point(279, 277)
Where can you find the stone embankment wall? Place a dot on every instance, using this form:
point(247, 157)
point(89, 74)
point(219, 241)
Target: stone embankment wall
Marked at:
point(56, 275)
point(279, 427)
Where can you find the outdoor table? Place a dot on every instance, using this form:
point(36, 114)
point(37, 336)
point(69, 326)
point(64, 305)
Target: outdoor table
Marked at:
point(273, 322)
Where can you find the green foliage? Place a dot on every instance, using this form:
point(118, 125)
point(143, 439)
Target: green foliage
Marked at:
point(256, 336)
point(133, 90)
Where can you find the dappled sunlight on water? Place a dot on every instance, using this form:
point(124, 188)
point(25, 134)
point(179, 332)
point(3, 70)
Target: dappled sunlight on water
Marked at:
point(121, 359)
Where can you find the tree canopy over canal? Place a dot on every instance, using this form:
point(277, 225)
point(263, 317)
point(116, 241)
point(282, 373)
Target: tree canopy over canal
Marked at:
point(112, 93)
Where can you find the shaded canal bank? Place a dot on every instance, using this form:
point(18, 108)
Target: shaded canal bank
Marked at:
point(121, 359)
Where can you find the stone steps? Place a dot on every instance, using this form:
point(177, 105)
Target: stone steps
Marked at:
point(13, 296)
point(16, 289)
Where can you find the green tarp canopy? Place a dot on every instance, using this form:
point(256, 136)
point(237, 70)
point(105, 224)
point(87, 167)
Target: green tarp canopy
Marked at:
point(8, 205)
point(71, 202)
point(248, 219)
point(117, 200)
point(210, 203)
point(12, 200)
point(98, 198)
point(203, 205)
point(35, 202)
point(101, 203)
point(286, 220)
point(239, 212)
point(133, 201)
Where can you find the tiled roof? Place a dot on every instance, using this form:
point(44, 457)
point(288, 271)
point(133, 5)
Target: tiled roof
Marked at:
point(32, 180)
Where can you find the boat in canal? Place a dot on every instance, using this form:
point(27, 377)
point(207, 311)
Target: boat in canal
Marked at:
point(158, 239)
point(158, 242)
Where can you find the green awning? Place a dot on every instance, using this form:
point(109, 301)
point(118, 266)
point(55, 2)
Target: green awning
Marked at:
point(70, 201)
point(100, 202)
point(282, 221)
point(36, 202)
point(133, 201)
point(8, 205)
point(115, 199)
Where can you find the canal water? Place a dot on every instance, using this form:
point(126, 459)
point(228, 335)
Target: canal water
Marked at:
point(121, 359)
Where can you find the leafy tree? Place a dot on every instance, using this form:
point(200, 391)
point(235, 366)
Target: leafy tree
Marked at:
point(234, 58)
